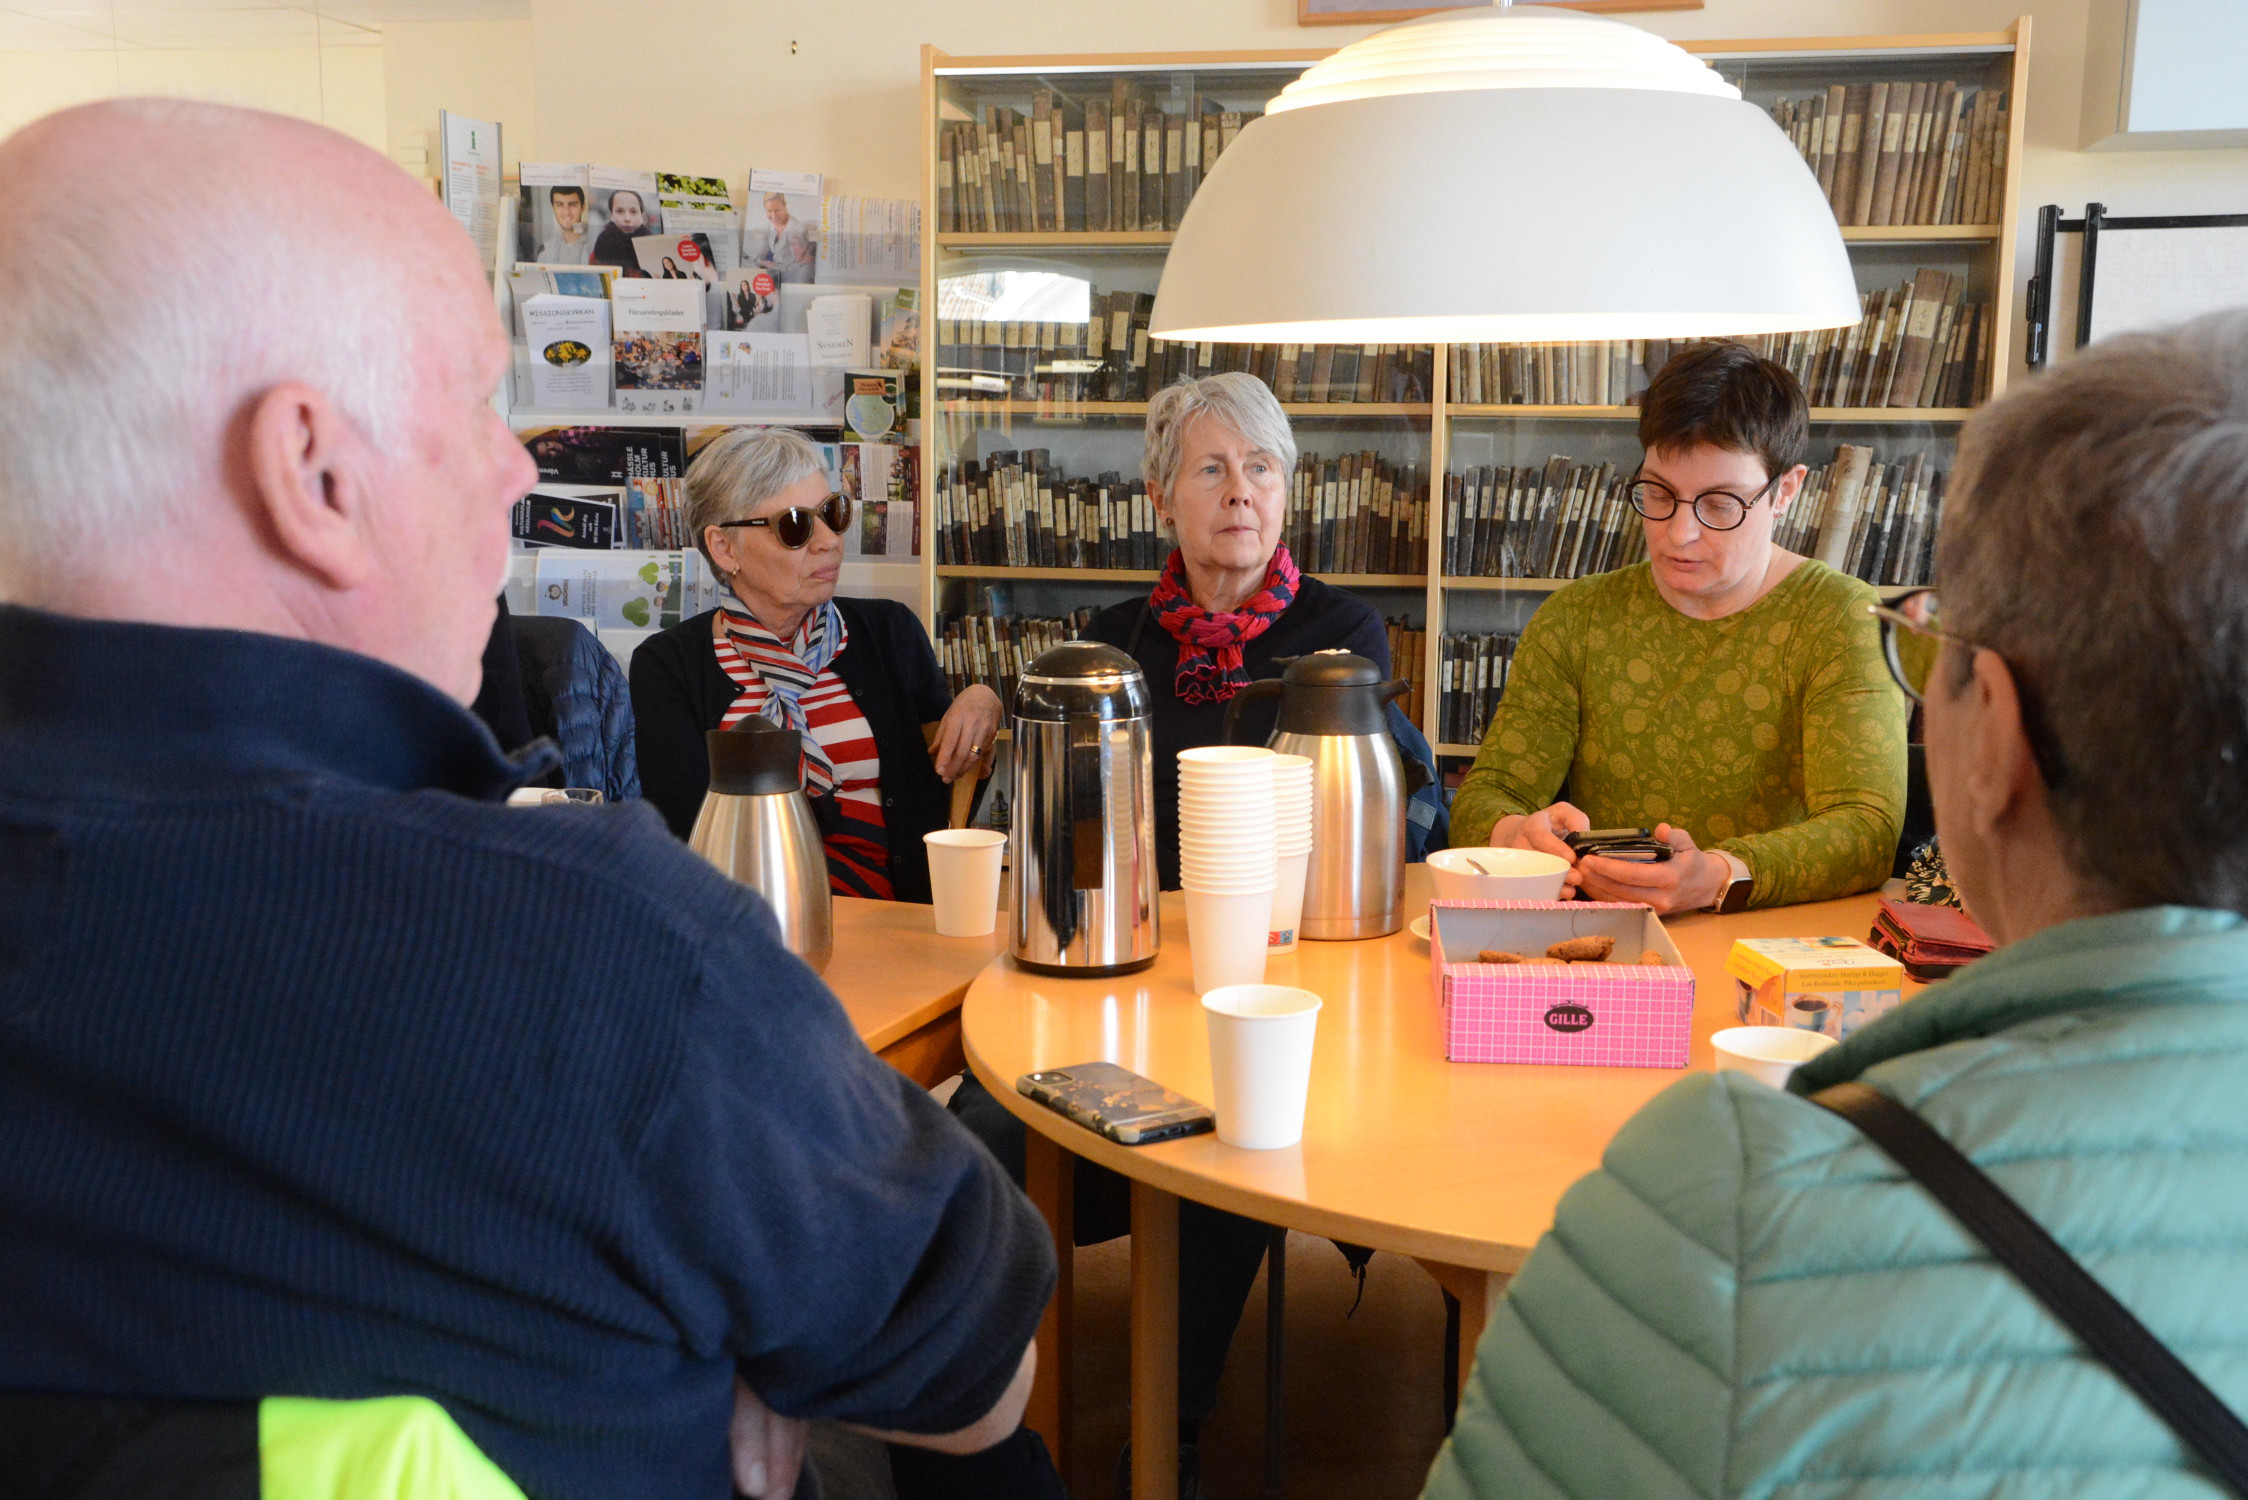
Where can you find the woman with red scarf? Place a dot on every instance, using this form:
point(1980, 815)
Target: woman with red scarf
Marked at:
point(1231, 603)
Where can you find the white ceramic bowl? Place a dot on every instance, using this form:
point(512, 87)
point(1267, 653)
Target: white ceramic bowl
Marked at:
point(1496, 875)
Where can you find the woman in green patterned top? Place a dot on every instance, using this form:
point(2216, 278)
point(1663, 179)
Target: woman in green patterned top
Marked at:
point(1726, 692)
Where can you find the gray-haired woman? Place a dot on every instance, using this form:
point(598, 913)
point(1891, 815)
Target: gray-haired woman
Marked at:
point(856, 678)
point(1231, 603)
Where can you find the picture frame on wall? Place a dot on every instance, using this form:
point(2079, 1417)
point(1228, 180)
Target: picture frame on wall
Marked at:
point(1371, 12)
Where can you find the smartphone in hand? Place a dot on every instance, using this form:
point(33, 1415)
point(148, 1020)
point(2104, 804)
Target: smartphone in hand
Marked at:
point(1638, 845)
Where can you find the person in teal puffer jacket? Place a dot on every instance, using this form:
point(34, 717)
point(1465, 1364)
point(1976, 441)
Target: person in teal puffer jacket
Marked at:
point(1750, 1298)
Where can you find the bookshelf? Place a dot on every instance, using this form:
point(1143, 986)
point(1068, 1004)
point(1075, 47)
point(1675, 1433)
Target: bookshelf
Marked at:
point(1436, 434)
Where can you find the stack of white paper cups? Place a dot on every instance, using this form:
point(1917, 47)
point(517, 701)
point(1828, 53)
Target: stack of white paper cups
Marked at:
point(1227, 861)
point(1291, 836)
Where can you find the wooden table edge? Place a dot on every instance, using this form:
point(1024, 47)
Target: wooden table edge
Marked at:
point(938, 1008)
point(1377, 1234)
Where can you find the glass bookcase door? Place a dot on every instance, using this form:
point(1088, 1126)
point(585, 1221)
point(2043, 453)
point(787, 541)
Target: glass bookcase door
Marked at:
point(1057, 190)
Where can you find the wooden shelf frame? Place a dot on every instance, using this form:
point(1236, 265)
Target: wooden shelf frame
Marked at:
point(1158, 239)
point(1992, 248)
point(1931, 415)
point(1003, 574)
point(1062, 410)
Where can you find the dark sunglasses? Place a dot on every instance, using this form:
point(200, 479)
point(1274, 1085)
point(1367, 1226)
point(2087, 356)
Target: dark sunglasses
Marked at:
point(792, 527)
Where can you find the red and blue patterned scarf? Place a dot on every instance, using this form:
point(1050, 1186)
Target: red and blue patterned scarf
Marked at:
point(772, 674)
point(1210, 666)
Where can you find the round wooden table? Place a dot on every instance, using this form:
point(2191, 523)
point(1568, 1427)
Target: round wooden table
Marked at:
point(1459, 1165)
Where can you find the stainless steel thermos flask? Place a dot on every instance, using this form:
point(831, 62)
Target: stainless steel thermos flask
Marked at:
point(1331, 711)
point(1084, 814)
point(757, 826)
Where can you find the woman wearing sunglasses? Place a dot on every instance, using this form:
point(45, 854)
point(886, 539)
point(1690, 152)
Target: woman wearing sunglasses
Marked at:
point(1726, 693)
point(856, 678)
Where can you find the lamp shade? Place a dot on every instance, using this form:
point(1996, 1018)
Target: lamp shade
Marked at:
point(1500, 176)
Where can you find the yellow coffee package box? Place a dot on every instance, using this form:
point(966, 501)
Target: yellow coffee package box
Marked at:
point(1829, 984)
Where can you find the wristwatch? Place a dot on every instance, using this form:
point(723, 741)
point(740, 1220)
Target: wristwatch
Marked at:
point(1735, 895)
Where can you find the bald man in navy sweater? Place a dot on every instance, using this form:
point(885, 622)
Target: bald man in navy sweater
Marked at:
point(322, 1072)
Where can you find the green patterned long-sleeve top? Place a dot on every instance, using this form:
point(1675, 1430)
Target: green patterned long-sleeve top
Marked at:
point(1775, 734)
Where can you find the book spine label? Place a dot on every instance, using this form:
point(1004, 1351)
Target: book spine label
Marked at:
point(1869, 153)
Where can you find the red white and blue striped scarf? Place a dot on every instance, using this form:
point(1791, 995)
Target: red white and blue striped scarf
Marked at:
point(772, 675)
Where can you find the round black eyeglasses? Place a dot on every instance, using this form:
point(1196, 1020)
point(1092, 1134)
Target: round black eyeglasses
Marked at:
point(1717, 510)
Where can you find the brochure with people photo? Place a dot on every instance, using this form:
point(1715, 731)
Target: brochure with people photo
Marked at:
point(752, 300)
point(781, 226)
point(558, 226)
point(702, 206)
point(675, 256)
point(659, 329)
point(624, 207)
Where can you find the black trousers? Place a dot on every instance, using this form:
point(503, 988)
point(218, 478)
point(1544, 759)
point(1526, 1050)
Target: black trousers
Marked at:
point(1219, 1253)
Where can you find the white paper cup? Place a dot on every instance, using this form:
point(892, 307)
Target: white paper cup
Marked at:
point(1496, 875)
point(1287, 903)
point(1225, 933)
point(964, 879)
point(1242, 883)
point(1193, 870)
point(1261, 1038)
point(1769, 1053)
point(1226, 756)
point(1247, 846)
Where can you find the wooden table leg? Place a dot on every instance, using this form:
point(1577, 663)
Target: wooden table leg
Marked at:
point(1050, 1178)
point(1155, 1344)
point(1478, 1293)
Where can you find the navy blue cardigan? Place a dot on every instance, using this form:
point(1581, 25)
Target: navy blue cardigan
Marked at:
point(679, 695)
point(322, 1073)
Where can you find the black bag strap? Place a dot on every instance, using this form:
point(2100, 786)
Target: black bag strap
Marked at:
point(2053, 1276)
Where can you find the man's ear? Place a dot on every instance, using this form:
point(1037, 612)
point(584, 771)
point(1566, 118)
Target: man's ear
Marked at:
point(2002, 777)
point(307, 469)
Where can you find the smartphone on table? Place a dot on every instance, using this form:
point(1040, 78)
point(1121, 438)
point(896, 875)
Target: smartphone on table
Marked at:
point(1638, 845)
point(1116, 1102)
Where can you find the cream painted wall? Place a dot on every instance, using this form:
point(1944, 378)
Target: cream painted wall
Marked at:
point(341, 87)
point(836, 88)
point(479, 68)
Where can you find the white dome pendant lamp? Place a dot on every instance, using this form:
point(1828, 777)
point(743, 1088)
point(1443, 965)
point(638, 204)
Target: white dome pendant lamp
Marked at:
point(1506, 175)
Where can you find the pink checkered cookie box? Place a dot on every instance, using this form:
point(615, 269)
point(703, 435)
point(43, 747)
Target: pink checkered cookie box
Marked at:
point(1619, 1014)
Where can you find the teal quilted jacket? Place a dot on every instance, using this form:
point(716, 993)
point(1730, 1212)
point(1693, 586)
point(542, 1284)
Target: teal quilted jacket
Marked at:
point(1751, 1299)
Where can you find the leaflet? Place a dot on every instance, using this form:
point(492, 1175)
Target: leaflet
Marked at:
point(765, 373)
point(569, 345)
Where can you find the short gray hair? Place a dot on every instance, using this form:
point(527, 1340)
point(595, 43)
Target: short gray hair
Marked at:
point(136, 327)
point(2098, 541)
point(740, 469)
point(1242, 402)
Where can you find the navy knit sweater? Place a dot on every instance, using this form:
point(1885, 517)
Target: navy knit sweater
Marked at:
point(322, 1074)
